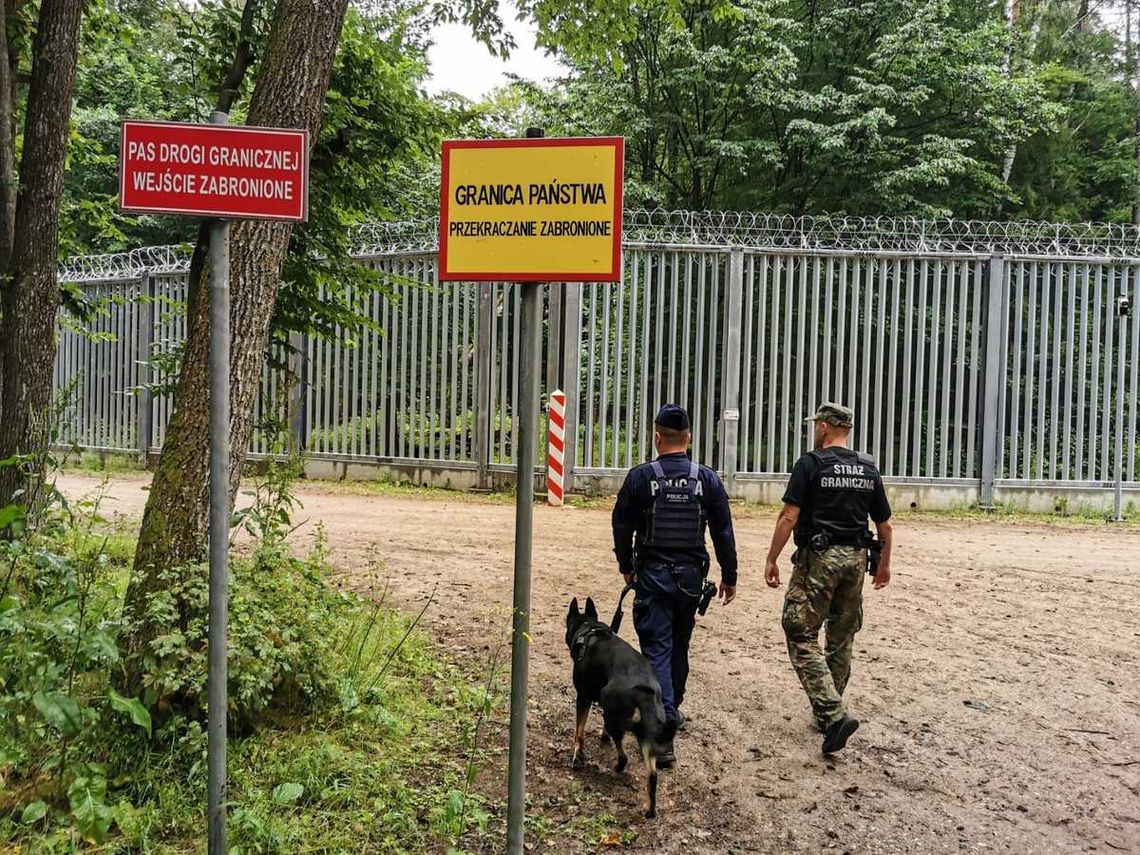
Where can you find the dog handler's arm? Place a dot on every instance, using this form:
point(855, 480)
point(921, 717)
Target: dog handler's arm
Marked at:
point(624, 523)
point(785, 525)
point(881, 514)
point(723, 537)
point(886, 537)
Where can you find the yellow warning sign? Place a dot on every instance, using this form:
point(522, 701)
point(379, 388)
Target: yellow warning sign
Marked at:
point(531, 210)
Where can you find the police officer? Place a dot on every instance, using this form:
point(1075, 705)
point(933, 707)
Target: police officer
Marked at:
point(659, 524)
point(831, 493)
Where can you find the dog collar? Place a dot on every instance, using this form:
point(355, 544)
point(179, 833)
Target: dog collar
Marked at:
point(582, 639)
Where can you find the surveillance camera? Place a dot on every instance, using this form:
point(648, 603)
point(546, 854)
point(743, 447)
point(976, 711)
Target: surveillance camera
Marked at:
point(1124, 307)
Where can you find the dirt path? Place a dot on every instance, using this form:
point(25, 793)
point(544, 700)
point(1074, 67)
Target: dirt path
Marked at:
point(1040, 625)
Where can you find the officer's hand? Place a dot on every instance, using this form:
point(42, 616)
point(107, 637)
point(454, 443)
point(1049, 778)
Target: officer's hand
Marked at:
point(772, 574)
point(628, 578)
point(727, 593)
point(882, 575)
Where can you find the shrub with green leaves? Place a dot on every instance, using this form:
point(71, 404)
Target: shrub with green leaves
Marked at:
point(283, 619)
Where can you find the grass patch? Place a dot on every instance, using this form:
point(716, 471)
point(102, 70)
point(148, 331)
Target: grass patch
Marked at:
point(100, 463)
point(407, 490)
point(350, 732)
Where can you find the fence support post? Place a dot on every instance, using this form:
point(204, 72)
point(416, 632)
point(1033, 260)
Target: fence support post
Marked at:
point(992, 432)
point(145, 399)
point(571, 373)
point(298, 390)
point(483, 361)
point(730, 370)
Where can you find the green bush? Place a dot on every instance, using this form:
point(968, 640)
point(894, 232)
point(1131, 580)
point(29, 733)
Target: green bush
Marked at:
point(349, 732)
point(283, 621)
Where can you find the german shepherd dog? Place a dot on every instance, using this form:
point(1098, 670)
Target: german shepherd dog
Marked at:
point(609, 672)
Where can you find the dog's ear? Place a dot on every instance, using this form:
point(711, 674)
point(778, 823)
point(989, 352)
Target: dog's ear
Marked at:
point(591, 609)
point(573, 608)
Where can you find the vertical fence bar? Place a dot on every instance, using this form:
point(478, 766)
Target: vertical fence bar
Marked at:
point(932, 391)
point(619, 346)
point(853, 349)
point(604, 401)
point(800, 380)
point(571, 376)
point(484, 358)
point(991, 427)
point(921, 340)
point(673, 321)
point(1094, 384)
point(786, 428)
point(770, 400)
point(814, 398)
point(696, 399)
point(633, 432)
point(884, 394)
point(1016, 379)
point(961, 329)
point(1042, 368)
point(1070, 338)
point(1082, 372)
point(1057, 278)
point(891, 401)
point(591, 353)
point(748, 450)
point(865, 425)
point(974, 404)
point(947, 372)
point(1134, 397)
point(841, 332)
point(1109, 354)
point(144, 343)
point(1122, 352)
point(907, 372)
point(1030, 388)
point(710, 408)
point(730, 371)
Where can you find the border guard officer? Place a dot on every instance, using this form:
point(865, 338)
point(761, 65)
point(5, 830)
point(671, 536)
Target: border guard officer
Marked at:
point(829, 497)
point(659, 523)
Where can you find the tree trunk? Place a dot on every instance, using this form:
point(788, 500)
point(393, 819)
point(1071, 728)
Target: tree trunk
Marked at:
point(30, 291)
point(290, 92)
point(1007, 69)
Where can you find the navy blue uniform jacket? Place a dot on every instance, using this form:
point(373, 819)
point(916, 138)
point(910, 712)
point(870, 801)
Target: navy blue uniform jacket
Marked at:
point(631, 520)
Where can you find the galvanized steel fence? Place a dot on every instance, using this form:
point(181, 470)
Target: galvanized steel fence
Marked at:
point(974, 354)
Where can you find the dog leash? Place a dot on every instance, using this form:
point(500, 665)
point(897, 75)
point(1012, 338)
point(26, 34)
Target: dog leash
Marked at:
point(615, 624)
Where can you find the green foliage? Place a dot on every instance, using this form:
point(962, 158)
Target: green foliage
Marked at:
point(347, 723)
point(902, 107)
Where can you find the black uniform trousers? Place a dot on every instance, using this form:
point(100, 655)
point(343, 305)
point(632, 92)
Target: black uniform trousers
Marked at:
point(664, 615)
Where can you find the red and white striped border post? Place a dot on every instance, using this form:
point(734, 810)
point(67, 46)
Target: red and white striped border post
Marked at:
point(555, 448)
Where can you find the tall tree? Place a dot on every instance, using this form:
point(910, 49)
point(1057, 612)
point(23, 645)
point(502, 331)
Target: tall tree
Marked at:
point(29, 226)
point(290, 92)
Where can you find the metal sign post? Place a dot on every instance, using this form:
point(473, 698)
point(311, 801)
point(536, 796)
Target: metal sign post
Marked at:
point(223, 172)
point(217, 681)
point(1123, 312)
point(530, 359)
point(529, 211)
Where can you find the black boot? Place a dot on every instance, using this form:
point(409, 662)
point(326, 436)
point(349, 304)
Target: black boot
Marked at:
point(838, 734)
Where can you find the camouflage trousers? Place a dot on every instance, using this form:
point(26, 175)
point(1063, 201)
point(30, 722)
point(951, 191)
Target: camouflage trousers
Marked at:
point(824, 589)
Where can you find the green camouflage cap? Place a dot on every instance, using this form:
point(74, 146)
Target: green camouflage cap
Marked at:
point(835, 414)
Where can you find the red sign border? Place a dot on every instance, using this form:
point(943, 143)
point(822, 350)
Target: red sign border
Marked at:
point(539, 142)
point(251, 129)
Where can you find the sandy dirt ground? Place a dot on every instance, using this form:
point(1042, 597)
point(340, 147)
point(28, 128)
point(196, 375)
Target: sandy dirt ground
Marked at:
point(1036, 626)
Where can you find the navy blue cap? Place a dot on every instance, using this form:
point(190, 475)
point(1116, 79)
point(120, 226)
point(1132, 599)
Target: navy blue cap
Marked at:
point(673, 417)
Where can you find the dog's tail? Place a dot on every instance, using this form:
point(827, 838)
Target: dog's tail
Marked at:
point(657, 727)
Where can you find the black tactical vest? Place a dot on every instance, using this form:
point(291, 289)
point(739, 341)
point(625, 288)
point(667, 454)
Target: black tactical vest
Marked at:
point(842, 488)
point(676, 517)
